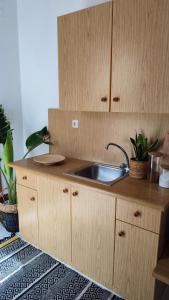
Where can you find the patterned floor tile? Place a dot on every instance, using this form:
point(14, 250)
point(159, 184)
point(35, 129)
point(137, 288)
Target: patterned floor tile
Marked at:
point(96, 292)
point(68, 289)
point(40, 289)
point(16, 284)
point(4, 252)
point(37, 276)
point(17, 260)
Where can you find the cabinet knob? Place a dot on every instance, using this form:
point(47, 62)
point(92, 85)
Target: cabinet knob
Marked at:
point(104, 99)
point(75, 194)
point(24, 177)
point(122, 234)
point(137, 214)
point(65, 190)
point(116, 99)
point(32, 198)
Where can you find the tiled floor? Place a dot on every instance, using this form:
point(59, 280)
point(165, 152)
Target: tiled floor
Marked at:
point(28, 273)
point(5, 233)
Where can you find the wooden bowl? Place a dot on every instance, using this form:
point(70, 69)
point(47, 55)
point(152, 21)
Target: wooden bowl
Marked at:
point(49, 159)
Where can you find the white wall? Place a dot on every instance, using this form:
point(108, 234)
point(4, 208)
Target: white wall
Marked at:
point(9, 71)
point(38, 57)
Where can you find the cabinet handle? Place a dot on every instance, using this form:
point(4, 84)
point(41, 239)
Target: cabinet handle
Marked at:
point(116, 99)
point(104, 99)
point(122, 234)
point(75, 194)
point(24, 177)
point(65, 191)
point(137, 214)
point(32, 198)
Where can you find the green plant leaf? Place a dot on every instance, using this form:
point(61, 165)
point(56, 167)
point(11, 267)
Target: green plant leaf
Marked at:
point(7, 172)
point(153, 146)
point(5, 178)
point(133, 141)
point(136, 137)
point(7, 155)
point(13, 195)
point(37, 138)
point(4, 126)
point(134, 146)
point(142, 146)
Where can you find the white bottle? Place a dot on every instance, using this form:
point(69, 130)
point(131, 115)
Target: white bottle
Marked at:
point(164, 177)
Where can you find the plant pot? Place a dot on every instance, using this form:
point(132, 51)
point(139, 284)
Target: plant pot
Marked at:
point(9, 216)
point(138, 169)
point(10, 221)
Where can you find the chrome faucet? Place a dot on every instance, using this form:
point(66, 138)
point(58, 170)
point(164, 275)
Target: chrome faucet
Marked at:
point(126, 156)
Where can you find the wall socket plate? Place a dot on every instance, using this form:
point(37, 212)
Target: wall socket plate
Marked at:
point(75, 123)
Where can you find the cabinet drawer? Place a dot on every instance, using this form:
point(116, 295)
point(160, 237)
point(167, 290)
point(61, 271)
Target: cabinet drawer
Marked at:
point(139, 215)
point(26, 179)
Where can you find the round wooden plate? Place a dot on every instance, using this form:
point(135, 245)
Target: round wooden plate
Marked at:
point(49, 159)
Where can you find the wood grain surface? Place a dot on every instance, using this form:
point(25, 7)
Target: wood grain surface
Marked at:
point(135, 259)
point(84, 45)
point(28, 214)
point(132, 190)
point(93, 226)
point(140, 56)
point(97, 129)
point(138, 215)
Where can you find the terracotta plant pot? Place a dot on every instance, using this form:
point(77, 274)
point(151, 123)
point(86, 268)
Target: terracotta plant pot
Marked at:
point(138, 169)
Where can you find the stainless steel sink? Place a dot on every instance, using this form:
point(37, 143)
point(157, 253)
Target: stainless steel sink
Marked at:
point(105, 174)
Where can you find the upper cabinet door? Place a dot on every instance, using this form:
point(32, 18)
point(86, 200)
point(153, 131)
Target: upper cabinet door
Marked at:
point(140, 56)
point(84, 40)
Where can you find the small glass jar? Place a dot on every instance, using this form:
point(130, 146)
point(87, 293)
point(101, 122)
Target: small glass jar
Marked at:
point(154, 166)
point(164, 176)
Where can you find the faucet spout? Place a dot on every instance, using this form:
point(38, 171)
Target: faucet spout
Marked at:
point(121, 148)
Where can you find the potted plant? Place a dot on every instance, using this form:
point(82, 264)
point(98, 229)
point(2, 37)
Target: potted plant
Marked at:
point(139, 163)
point(8, 209)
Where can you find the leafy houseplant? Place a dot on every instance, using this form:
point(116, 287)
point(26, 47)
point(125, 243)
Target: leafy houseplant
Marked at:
point(8, 210)
point(139, 163)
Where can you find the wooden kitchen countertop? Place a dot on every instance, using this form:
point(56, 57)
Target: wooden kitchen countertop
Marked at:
point(140, 191)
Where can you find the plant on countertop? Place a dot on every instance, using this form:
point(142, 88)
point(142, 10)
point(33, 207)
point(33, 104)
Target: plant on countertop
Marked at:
point(6, 139)
point(142, 146)
point(139, 163)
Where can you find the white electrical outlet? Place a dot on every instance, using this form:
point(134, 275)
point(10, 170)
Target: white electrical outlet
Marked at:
point(75, 123)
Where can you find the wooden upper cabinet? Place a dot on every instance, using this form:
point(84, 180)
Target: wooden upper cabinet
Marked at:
point(84, 42)
point(140, 56)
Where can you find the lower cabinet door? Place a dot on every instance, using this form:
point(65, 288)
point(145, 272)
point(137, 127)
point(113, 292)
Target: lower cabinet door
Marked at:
point(54, 218)
point(28, 215)
point(93, 223)
point(135, 258)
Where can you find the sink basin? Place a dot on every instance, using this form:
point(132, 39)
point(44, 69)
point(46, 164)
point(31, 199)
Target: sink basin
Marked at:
point(105, 174)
